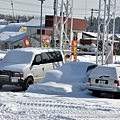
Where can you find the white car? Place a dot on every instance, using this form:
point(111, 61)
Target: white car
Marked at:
point(24, 66)
point(105, 78)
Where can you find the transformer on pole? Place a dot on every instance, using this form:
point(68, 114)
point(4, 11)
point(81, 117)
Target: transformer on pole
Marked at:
point(63, 23)
point(106, 54)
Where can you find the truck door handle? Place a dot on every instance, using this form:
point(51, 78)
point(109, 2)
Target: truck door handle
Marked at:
point(43, 69)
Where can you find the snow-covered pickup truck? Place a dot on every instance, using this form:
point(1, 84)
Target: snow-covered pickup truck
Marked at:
point(25, 66)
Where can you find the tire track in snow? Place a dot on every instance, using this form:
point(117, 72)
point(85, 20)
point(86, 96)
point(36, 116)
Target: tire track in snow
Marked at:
point(55, 110)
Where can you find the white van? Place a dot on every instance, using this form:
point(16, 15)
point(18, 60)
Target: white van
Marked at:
point(105, 78)
point(25, 66)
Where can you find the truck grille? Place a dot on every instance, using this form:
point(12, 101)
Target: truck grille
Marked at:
point(5, 75)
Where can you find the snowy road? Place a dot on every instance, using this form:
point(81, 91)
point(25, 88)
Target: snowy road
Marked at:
point(66, 99)
point(26, 106)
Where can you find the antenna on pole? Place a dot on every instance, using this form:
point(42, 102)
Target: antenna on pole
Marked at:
point(106, 55)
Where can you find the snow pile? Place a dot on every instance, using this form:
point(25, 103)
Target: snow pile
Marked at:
point(87, 58)
point(67, 78)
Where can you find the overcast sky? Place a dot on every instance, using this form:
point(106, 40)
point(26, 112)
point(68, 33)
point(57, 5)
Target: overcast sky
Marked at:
point(81, 8)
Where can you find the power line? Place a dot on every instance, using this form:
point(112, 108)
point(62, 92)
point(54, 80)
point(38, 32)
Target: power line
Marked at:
point(22, 10)
point(26, 3)
point(48, 7)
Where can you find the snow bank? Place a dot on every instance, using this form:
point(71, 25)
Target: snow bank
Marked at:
point(65, 79)
point(57, 88)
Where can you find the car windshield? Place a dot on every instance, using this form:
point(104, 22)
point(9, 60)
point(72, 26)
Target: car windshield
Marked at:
point(18, 57)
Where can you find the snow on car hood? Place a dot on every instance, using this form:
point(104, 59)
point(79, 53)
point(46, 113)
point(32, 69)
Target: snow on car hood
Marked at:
point(13, 66)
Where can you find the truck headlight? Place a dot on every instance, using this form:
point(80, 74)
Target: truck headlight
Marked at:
point(16, 74)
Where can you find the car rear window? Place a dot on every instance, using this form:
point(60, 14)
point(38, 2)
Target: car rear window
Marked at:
point(102, 70)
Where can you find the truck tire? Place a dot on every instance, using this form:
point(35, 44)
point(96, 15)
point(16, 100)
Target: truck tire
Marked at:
point(26, 84)
point(1, 86)
point(96, 93)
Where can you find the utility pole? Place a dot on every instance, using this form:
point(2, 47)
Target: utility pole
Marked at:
point(91, 20)
point(66, 24)
point(106, 56)
point(41, 22)
point(61, 26)
point(91, 24)
point(55, 23)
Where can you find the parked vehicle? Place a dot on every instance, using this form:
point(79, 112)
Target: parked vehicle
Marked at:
point(25, 66)
point(105, 78)
point(90, 68)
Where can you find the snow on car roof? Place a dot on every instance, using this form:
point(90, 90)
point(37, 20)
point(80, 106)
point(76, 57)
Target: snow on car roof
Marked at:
point(24, 55)
point(35, 50)
point(110, 65)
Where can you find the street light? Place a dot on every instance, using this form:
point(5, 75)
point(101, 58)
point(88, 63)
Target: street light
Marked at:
point(41, 21)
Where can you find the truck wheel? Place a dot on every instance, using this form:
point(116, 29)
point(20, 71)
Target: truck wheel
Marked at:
point(27, 82)
point(96, 93)
point(1, 86)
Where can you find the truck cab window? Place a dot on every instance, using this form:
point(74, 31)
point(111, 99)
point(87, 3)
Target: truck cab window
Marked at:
point(45, 58)
point(37, 60)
